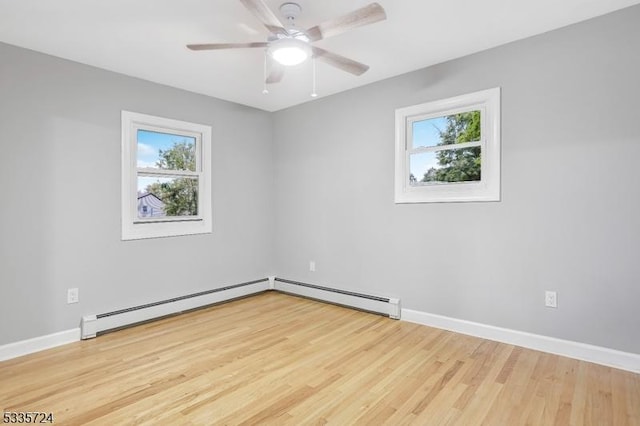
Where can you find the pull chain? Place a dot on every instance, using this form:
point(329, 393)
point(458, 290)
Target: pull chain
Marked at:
point(265, 91)
point(313, 92)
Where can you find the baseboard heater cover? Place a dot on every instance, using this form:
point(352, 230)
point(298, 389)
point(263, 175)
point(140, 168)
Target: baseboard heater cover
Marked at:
point(93, 325)
point(382, 305)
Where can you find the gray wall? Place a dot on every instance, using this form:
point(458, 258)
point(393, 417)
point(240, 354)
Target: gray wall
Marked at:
point(569, 219)
point(60, 198)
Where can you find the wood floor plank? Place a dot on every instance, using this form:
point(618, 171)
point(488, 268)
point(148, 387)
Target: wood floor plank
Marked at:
point(280, 359)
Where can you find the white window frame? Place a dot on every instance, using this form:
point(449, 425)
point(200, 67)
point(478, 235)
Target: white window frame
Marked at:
point(133, 227)
point(488, 188)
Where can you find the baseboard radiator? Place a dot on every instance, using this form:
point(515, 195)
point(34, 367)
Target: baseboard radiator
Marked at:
point(93, 325)
point(381, 305)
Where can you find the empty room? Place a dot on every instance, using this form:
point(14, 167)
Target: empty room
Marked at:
point(320, 212)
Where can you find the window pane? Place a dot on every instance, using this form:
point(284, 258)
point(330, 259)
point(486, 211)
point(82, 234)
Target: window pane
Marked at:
point(448, 165)
point(447, 130)
point(167, 197)
point(166, 151)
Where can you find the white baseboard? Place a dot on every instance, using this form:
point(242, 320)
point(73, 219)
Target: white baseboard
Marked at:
point(25, 347)
point(582, 351)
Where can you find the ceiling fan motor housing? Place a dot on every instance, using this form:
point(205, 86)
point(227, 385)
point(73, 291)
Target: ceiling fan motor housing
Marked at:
point(290, 11)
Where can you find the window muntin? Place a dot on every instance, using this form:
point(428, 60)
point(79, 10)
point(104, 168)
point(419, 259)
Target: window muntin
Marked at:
point(449, 150)
point(166, 177)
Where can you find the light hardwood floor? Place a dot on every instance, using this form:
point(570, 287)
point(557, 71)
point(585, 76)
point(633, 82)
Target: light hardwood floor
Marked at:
point(280, 359)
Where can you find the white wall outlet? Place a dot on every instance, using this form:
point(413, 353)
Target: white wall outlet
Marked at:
point(312, 266)
point(551, 299)
point(72, 295)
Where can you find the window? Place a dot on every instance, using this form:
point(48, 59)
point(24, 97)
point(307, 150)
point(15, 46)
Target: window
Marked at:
point(166, 177)
point(449, 150)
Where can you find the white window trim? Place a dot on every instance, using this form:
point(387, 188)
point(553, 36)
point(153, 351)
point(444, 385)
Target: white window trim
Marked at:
point(488, 189)
point(132, 227)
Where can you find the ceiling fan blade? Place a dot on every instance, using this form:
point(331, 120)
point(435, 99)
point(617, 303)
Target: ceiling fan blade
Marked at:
point(218, 46)
point(363, 16)
point(264, 15)
point(275, 74)
point(345, 64)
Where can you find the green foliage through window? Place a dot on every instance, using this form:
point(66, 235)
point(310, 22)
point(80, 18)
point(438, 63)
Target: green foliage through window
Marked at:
point(458, 164)
point(179, 195)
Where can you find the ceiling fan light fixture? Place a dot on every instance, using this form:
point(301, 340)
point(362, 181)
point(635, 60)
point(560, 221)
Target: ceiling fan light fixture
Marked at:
point(289, 51)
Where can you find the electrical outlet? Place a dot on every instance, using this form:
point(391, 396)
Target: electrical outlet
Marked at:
point(312, 266)
point(72, 295)
point(551, 299)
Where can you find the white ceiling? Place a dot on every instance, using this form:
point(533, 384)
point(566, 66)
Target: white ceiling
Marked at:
point(147, 38)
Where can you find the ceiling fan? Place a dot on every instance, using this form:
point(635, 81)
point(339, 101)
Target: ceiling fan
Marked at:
point(289, 45)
